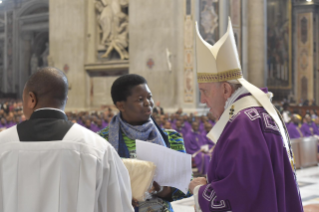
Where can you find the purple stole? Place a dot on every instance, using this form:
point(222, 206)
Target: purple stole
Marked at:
point(309, 129)
point(293, 131)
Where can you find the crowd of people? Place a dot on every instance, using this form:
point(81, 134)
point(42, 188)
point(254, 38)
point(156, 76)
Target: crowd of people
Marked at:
point(10, 113)
point(299, 126)
point(192, 127)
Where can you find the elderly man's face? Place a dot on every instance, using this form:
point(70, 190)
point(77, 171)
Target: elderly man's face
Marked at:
point(213, 95)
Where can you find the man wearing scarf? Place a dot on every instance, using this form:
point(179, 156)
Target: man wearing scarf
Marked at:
point(252, 163)
point(133, 98)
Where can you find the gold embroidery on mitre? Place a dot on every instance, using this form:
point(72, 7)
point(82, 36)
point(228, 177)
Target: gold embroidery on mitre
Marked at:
point(219, 77)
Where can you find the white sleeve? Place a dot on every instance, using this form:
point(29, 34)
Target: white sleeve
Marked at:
point(115, 193)
point(195, 192)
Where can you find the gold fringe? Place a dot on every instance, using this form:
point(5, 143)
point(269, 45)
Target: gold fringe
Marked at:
point(220, 77)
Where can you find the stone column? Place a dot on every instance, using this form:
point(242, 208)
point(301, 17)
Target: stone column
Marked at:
point(257, 42)
point(67, 46)
point(25, 57)
point(223, 17)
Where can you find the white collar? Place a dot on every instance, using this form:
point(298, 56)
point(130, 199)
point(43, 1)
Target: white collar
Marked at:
point(50, 108)
point(240, 91)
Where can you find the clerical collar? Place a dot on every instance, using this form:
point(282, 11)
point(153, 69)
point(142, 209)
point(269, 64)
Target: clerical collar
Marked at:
point(240, 91)
point(50, 108)
point(49, 113)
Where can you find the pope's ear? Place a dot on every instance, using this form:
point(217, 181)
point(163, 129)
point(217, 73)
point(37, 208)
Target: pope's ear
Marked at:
point(227, 90)
point(120, 105)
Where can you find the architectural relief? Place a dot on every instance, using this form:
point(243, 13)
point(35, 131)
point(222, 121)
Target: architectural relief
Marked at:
point(40, 52)
point(9, 46)
point(188, 58)
point(235, 15)
point(279, 46)
point(113, 25)
point(45, 55)
point(305, 75)
point(209, 20)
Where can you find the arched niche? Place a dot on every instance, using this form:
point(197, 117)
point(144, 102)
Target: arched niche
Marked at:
point(33, 7)
point(32, 38)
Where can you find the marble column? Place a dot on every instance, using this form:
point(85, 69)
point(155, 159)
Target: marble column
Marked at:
point(67, 46)
point(223, 17)
point(25, 56)
point(257, 42)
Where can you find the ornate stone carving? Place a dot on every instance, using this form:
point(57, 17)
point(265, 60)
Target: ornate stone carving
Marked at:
point(209, 20)
point(34, 64)
point(113, 23)
point(45, 55)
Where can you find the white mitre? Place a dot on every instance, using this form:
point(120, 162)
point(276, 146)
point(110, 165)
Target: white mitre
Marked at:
point(220, 63)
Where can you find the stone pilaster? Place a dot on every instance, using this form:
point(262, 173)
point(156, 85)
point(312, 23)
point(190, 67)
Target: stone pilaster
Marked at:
point(257, 42)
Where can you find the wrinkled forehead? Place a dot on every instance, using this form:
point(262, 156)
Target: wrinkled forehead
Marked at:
point(209, 86)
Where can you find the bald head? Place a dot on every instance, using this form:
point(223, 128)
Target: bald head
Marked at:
point(48, 87)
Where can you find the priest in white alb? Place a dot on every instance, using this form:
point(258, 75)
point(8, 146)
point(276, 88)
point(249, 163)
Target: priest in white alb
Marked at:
point(251, 169)
point(49, 164)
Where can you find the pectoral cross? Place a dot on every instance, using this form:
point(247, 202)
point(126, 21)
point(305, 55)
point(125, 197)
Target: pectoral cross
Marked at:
point(231, 111)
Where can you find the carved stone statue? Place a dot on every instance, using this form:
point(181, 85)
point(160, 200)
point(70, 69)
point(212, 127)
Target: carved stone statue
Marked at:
point(114, 25)
point(45, 55)
point(34, 63)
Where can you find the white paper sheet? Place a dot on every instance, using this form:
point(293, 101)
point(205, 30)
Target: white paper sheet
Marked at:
point(173, 168)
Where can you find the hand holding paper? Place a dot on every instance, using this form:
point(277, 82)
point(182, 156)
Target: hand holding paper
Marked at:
point(173, 168)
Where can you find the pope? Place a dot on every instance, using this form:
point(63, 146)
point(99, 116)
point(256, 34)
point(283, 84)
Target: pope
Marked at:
point(252, 165)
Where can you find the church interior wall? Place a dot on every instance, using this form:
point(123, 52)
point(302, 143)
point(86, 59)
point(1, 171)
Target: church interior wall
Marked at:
point(305, 62)
point(67, 46)
point(156, 40)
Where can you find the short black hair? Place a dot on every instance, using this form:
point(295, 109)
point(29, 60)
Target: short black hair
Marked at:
point(123, 85)
point(50, 86)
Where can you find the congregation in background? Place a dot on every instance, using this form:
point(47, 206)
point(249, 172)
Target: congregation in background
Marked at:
point(191, 126)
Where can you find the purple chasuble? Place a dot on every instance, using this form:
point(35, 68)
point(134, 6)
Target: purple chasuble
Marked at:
point(187, 125)
point(10, 124)
point(104, 124)
point(181, 131)
point(207, 140)
point(250, 170)
point(201, 127)
point(309, 129)
point(293, 130)
point(80, 123)
point(193, 143)
point(96, 128)
point(212, 123)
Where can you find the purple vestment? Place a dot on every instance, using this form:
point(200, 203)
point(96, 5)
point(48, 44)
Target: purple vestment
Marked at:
point(193, 143)
point(3, 125)
point(181, 131)
point(212, 123)
point(104, 124)
point(250, 170)
point(80, 122)
point(201, 127)
point(96, 128)
point(187, 125)
point(293, 130)
point(309, 129)
point(10, 124)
